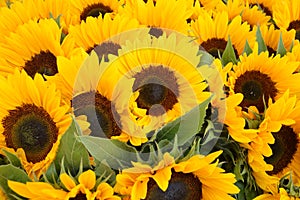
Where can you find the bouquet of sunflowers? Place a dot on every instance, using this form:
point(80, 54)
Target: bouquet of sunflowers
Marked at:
point(149, 99)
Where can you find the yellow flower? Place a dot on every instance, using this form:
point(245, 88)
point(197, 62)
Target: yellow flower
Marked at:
point(212, 33)
point(286, 16)
point(166, 82)
point(21, 12)
point(259, 76)
point(32, 120)
point(264, 5)
point(251, 13)
point(157, 14)
point(91, 89)
point(86, 187)
point(195, 178)
point(33, 47)
point(80, 10)
point(275, 151)
point(281, 195)
point(94, 31)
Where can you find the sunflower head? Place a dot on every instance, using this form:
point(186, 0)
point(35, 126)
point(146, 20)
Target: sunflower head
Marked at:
point(33, 122)
point(256, 77)
point(183, 180)
point(29, 48)
point(165, 80)
point(81, 10)
point(157, 14)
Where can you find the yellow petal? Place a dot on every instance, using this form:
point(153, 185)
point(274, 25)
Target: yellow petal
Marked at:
point(67, 181)
point(20, 188)
point(88, 179)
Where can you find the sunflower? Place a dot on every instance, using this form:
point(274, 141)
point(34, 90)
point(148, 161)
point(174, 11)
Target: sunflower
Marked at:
point(286, 16)
point(82, 9)
point(83, 188)
point(21, 12)
point(104, 31)
point(34, 48)
point(276, 150)
point(157, 14)
point(32, 120)
point(166, 82)
point(213, 33)
point(86, 187)
point(254, 16)
point(271, 37)
point(195, 178)
point(96, 95)
point(250, 13)
point(256, 77)
point(264, 5)
point(281, 195)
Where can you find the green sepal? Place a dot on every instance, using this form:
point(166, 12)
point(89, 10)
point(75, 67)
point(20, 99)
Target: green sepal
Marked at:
point(260, 40)
point(51, 176)
point(72, 150)
point(228, 54)
point(12, 158)
point(185, 127)
point(10, 172)
point(247, 49)
point(105, 173)
point(117, 154)
point(280, 48)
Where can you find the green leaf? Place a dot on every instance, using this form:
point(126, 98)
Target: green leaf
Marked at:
point(280, 48)
point(228, 54)
point(260, 40)
point(72, 150)
point(117, 154)
point(12, 158)
point(206, 58)
point(247, 49)
point(10, 172)
point(185, 127)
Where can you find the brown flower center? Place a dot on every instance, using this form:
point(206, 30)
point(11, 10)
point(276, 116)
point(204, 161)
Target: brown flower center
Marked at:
point(31, 128)
point(94, 10)
point(181, 187)
point(79, 196)
point(216, 46)
point(100, 112)
point(255, 86)
point(158, 87)
point(271, 50)
point(295, 25)
point(43, 63)
point(106, 48)
point(284, 149)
